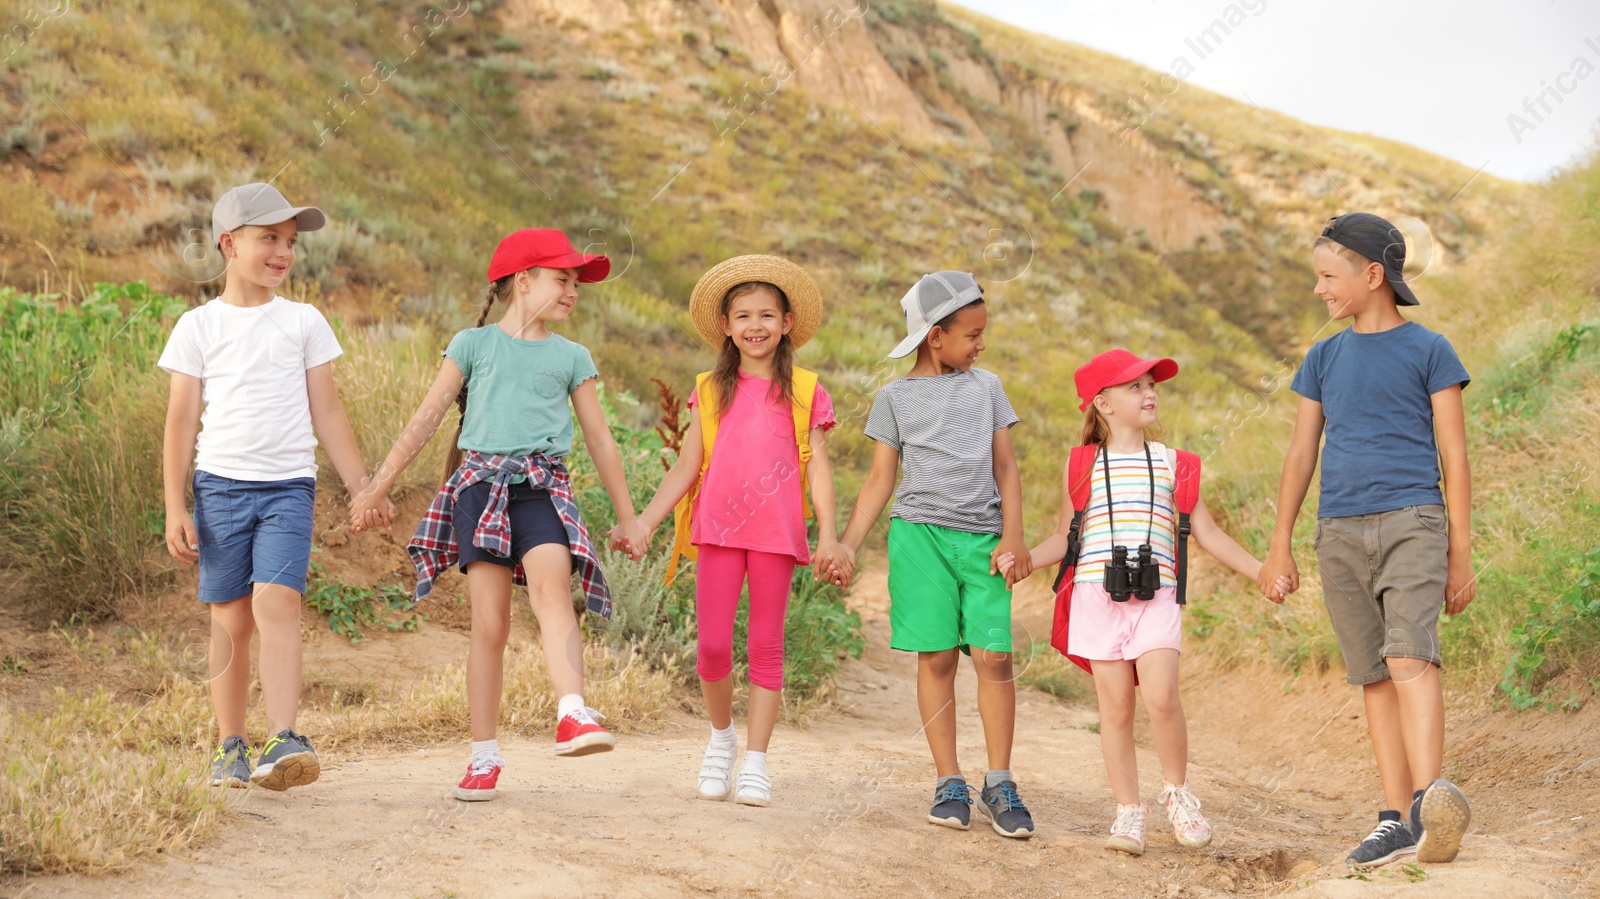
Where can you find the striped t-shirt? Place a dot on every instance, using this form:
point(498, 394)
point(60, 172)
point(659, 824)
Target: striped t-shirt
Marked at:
point(943, 427)
point(1130, 493)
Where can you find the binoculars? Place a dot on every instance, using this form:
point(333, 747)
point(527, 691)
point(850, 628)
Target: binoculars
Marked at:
point(1140, 579)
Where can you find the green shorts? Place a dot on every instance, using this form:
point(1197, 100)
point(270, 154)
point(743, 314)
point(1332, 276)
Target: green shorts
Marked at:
point(941, 594)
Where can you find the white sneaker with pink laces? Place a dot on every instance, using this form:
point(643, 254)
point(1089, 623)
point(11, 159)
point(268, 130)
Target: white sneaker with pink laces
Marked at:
point(1183, 810)
point(1127, 832)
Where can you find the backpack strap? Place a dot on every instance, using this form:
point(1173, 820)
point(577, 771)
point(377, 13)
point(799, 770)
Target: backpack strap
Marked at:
point(683, 512)
point(1080, 466)
point(1185, 495)
point(804, 388)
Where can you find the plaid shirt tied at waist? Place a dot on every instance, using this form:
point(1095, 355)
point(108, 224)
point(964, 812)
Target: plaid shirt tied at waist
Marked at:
point(434, 548)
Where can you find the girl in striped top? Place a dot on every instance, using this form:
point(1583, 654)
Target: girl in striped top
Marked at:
point(1136, 641)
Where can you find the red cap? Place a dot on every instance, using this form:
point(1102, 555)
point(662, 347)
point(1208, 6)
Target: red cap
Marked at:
point(544, 248)
point(1115, 367)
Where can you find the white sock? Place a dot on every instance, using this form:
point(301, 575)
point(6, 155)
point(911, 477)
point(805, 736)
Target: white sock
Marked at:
point(482, 746)
point(754, 762)
point(726, 735)
point(570, 703)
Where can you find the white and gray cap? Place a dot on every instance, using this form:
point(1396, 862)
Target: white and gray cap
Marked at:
point(259, 204)
point(930, 299)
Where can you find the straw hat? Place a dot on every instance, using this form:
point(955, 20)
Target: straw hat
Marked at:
point(805, 301)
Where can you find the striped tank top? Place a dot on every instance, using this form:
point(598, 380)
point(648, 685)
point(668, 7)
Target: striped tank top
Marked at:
point(1131, 511)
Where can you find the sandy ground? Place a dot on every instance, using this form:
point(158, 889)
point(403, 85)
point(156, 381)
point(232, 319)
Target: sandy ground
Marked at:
point(1286, 797)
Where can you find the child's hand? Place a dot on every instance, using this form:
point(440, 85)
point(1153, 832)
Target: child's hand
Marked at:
point(183, 541)
point(833, 563)
point(632, 539)
point(370, 508)
point(1022, 564)
point(1006, 562)
point(1460, 583)
point(1278, 567)
point(840, 565)
point(1279, 591)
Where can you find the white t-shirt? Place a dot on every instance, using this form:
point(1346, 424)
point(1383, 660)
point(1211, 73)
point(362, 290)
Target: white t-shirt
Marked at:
point(252, 360)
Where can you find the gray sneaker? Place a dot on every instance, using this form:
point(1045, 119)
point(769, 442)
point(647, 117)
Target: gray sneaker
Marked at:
point(952, 806)
point(1439, 819)
point(286, 761)
point(1389, 841)
point(230, 765)
point(1006, 811)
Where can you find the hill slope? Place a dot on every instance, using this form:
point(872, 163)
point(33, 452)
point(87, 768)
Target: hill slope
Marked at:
point(870, 143)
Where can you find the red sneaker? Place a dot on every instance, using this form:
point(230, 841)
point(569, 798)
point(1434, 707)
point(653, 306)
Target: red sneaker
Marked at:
point(482, 773)
point(580, 734)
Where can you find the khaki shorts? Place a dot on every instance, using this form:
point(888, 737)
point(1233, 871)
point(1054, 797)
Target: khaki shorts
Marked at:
point(1383, 580)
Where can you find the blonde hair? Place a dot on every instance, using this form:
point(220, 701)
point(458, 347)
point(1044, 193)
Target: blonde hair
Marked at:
point(1097, 431)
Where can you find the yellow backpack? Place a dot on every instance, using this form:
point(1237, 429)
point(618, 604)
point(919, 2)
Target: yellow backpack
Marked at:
point(804, 384)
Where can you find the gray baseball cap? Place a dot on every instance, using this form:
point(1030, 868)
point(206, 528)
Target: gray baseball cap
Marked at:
point(930, 299)
point(259, 204)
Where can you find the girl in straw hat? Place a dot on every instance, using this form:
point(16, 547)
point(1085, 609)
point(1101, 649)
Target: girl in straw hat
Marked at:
point(506, 513)
point(754, 447)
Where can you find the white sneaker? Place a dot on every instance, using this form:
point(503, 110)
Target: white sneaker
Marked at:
point(1127, 832)
point(755, 788)
point(716, 770)
point(1183, 810)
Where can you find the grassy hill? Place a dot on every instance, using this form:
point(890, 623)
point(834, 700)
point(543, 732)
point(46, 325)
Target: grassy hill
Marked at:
point(1101, 203)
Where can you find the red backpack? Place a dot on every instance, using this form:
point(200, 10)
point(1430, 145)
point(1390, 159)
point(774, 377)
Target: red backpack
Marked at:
point(1080, 468)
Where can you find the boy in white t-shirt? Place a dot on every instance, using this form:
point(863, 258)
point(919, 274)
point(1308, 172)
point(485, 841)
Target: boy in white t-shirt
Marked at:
point(252, 372)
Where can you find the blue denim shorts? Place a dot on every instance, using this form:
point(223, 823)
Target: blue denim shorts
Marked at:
point(252, 532)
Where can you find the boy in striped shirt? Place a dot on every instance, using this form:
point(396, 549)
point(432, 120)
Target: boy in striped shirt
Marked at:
point(957, 509)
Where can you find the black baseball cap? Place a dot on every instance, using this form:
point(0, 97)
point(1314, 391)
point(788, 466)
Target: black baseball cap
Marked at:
point(1375, 238)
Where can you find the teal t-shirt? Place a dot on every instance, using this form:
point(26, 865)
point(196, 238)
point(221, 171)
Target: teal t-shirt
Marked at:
point(517, 391)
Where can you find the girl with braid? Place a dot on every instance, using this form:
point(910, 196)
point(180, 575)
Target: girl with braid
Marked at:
point(505, 512)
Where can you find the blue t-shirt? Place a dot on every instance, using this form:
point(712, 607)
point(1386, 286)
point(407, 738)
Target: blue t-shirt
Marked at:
point(1376, 393)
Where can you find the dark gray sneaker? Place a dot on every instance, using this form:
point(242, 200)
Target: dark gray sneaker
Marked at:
point(230, 764)
point(1389, 841)
point(952, 806)
point(1006, 811)
point(286, 761)
point(1439, 819)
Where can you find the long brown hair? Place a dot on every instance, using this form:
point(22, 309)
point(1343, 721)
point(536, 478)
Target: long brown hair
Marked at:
point(498, 290)
point(726, 373)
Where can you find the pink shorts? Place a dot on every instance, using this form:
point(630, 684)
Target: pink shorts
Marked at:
point(1114, 631)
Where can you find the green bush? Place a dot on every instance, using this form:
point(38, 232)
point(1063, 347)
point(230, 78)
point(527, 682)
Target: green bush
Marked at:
point(350, 608)
point(82, 407)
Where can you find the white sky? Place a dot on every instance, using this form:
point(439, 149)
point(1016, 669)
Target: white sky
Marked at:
point(1439, 74)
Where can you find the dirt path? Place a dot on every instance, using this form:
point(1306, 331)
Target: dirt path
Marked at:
point(848, 818)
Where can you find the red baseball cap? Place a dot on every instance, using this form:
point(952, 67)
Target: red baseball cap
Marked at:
point(545, 248)
point(1115, 367)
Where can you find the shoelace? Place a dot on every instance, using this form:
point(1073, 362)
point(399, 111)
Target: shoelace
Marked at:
point(484, 763)
point(1008, 798)
point(1183, 806)
point(957, 791)
point(587, 715)
point(1383, 829)
point(1130, 820)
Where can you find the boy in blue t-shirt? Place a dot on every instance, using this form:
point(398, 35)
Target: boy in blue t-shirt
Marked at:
point(1388, 393)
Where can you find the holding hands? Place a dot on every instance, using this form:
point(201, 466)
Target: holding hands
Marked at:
point(370, 507)
point(1278, 577)
point(834, 563)
point(631, 538)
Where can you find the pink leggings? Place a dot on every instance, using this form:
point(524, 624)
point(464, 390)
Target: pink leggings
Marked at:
point(719, 575)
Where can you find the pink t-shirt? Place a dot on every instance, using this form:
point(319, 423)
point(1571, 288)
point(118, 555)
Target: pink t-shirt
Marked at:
point(751, 495)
